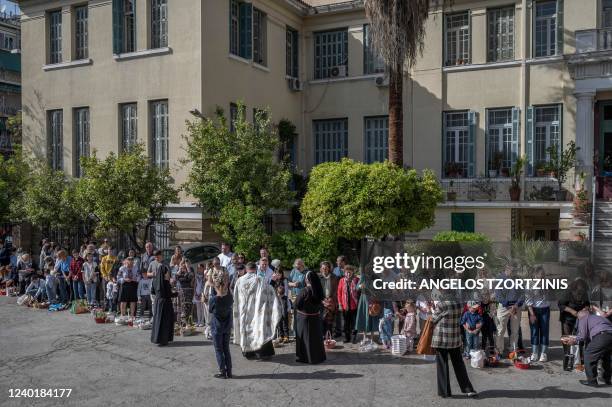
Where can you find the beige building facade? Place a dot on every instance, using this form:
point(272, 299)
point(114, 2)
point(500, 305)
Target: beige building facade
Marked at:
point(497, 79)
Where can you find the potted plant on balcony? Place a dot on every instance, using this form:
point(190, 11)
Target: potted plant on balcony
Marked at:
point(540, 169)
point(517, 172)
point(496, 163)
point(453, 169)
point(451, 194)
point(483, 188)
point(581, 203)
point(560, 163)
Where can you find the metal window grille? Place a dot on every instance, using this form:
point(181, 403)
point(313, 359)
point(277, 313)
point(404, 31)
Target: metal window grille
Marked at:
point(547, 131)
point(56, 149)
point(129, 126)
point(456, 143)
point(376, 138)
point(545, 28)
point(292, 53)
point(331, 140)
point(81, 130)
point(129, 26)
point(55, 37)
point(372, 62)
point(331, 50)
point(259, 37)
point(160, 133)
point(457, 39)
point(501, 34)
point(81, 32)
point(500, 137)
point(159, 23)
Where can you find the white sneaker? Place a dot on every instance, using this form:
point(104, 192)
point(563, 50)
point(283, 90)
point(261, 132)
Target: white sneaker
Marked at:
point(543, 357)
point(534, 357)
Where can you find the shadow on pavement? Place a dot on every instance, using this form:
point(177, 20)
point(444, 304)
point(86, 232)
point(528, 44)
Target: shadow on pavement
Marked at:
point(178, 344)
point(318, 375)
point(353, 358)
point(544, 393)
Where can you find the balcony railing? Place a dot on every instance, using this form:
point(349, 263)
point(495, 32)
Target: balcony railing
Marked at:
point(498, 189)
point(593, 40)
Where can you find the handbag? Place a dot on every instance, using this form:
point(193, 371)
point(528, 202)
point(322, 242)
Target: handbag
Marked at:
point(329, 342)
point(424, 346)
point(374, 308)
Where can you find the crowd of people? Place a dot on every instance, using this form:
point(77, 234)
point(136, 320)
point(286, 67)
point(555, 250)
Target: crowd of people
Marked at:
point(260, 304)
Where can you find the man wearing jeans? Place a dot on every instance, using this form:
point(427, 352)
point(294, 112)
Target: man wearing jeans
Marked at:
point(509, 309)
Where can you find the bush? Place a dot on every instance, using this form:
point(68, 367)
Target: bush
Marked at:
point(453, 236)
point(288, 246)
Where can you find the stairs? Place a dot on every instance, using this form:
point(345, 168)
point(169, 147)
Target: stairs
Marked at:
point(603, 236)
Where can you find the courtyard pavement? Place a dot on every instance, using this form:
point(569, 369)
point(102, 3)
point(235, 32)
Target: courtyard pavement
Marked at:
point(108, 365)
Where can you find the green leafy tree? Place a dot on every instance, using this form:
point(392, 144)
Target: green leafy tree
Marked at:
point(288, 246)
point(562, 161)
point(47, 199)
point(14, 174)
point(126, 193)
point(353, 200)
point(234, 174)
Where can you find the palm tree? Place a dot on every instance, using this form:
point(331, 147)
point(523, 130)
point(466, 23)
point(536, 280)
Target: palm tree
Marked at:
point(398, 32)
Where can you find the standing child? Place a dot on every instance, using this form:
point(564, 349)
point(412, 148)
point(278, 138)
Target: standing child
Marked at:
point(280, 284)
point(385, 327)
point(200, 282)
point(409, 329)
point(144, 297)
point(220, 307)
point(112, 293)
point(471, 322)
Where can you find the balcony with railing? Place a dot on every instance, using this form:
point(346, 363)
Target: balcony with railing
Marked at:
point(483, 189)
point(593, 40)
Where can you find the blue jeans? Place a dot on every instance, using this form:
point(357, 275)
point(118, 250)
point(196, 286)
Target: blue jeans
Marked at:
point(91, 292)
point(61, 282)
point(78, 290)
point(472, 341)
point(541, 327)
point(222, 352)
point(51, 286)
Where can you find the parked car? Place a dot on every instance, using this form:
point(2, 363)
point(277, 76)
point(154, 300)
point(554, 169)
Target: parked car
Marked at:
point(196, 253)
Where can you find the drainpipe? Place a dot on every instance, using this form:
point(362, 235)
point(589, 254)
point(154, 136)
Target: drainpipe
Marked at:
point(593, 208)
point(524, 94)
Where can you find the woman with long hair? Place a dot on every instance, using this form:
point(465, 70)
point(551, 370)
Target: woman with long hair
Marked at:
point(308, 336)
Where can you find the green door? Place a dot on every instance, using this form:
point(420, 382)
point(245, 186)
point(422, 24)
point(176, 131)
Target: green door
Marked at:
point(605, 139)
point(462, 222)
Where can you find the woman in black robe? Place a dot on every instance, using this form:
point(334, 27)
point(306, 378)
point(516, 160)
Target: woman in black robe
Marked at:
point(162, 330)
point(309, 336)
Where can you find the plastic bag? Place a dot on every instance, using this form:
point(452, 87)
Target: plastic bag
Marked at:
point(477, 359)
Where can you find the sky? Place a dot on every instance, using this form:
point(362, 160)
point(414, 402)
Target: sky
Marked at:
point(10, 6)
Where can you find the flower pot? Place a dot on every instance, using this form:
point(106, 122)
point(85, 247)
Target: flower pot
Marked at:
point(515, 193)
point(492, 173)
point(561, 195)
point(451, 196)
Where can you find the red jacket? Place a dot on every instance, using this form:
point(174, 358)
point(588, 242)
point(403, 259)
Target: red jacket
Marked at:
point(76, 269)
point(342, 295)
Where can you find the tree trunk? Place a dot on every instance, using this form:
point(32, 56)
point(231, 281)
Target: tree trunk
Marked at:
point(396, 115)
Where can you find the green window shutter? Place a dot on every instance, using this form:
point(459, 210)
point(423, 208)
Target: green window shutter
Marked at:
point(516, 131)
point(529, 130)
point(117, 26)
point(472, 144)
point(462, 222)
point(444, 157)
point(246, 30)
point(488, 155)
point(560, 32)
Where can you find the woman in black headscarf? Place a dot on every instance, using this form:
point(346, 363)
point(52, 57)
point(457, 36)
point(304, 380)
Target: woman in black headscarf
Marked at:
point(162, 330)
point(308, 336)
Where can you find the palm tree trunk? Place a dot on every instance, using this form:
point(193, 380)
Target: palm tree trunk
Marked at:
point(396, 133)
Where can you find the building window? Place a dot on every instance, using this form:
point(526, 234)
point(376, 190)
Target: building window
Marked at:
point(55, 122)
point(462, 222)
point(330, 51)
point(81, 49)
point(292, 53)
point(8, 41)
point(241, 29)
point(159, 132)
point(502, 138)
point(458, 143)
point(233, 116)
point(124, 26)
point(501, 34)
point(55, 37)
point(81, 138)
point(546, 132)
point(259, 37)
point(457, 39)
point(376, 138)
point(372, 61)
point(129, 126)
point(548, 28)
point(606, 14)
point(331, 139)
point(159, 23)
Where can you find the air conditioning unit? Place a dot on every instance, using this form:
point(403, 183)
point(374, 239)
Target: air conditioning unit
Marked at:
point(381, 81)
point(338, 71)
point(294, 84)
